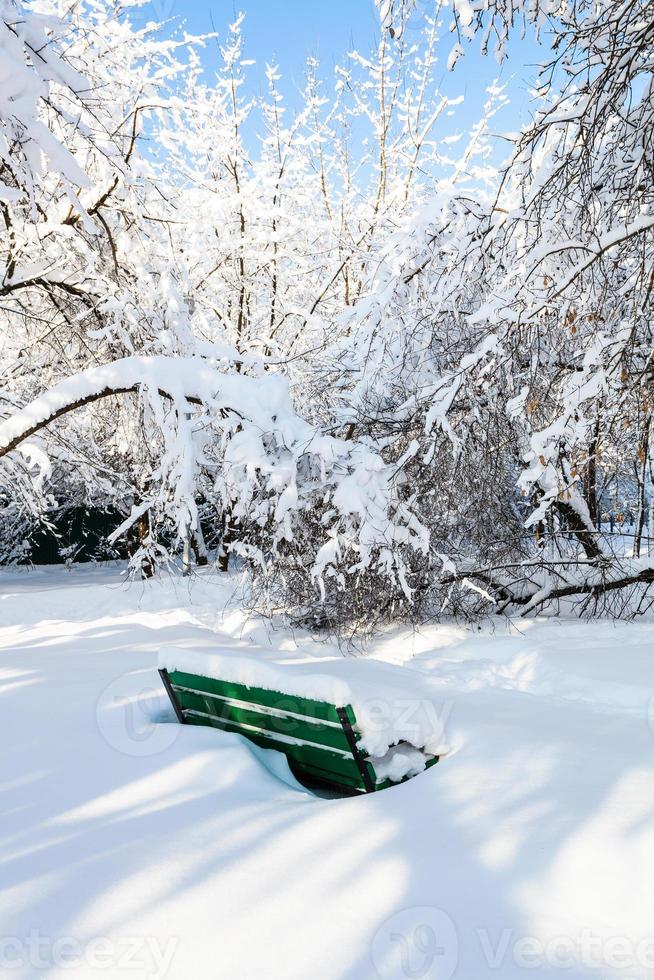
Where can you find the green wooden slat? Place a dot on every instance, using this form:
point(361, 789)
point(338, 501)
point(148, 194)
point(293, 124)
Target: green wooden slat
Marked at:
point(288, 741)
point(321, 710)
point(313, 730)
point(309, 773)
point(337, 764)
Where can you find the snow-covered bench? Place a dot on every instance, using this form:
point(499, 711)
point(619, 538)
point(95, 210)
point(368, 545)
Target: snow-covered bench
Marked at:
point(320, 740)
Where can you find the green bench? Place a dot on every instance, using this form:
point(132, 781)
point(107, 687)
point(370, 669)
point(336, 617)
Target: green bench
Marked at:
point(320, 740)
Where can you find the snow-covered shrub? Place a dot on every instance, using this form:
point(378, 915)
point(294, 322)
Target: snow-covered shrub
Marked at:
point(389, 378)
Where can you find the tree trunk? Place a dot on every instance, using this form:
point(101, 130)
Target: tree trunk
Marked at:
point(641, 474)
point(225, 540)
point(138, 533)
point(586, 538)
point(590, 483)
point(199, 547)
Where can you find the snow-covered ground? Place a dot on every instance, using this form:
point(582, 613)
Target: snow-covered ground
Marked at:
point(131, 846)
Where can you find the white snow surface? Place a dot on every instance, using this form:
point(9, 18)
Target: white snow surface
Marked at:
point(131, 846)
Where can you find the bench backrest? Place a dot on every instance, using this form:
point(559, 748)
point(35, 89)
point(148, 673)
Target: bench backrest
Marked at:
point(319, 739)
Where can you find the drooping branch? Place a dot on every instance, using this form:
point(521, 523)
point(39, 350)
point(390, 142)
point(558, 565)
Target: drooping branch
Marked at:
point(29, 430)
point(642, 576)
point(529, 594)
point(188, 380)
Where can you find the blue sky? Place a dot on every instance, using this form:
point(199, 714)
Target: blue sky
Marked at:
point(288, 30)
